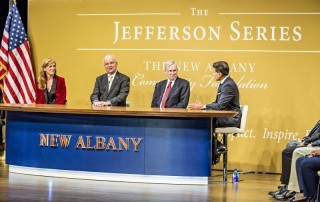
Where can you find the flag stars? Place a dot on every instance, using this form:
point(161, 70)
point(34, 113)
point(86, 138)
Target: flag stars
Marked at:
point(15, 28)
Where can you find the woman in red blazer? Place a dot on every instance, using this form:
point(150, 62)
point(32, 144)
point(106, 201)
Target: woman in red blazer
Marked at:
point(51, 89)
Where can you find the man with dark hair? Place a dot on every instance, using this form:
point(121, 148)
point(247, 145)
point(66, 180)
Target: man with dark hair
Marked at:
point(227, 99)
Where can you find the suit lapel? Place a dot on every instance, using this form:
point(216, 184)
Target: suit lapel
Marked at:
point(220, 87)
point(174, 87)
point(163, 88)
point(219, 91)
point(105, 84)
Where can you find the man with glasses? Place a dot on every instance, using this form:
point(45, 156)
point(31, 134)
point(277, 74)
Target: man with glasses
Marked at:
point(111, 88)
point(173, 92)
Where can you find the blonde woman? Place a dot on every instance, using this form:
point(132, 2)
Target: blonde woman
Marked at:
point(51, 89)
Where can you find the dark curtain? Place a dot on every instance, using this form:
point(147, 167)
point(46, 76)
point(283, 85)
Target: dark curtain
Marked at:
point(23, 10)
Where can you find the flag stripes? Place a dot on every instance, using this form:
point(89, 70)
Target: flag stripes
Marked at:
point(18, 83)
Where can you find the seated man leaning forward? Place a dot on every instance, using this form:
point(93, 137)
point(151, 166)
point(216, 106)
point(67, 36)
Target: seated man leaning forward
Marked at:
point(173, 92)
point(226, 99)
point(111, 88)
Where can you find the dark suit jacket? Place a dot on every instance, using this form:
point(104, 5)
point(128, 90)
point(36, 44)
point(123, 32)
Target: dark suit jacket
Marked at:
point(313, 137)
point(178, 96)
point(61, 92)
point(227, 99)
point(118, 93)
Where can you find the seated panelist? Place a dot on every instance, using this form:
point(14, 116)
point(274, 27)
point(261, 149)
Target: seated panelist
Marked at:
point(111, 88)
point(227, 98)
point(51, 89)
point(173, 92)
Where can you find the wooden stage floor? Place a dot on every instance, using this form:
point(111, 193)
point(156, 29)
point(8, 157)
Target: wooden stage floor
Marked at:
point(18, 187)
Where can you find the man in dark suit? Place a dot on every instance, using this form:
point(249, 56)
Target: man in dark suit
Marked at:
point(174, 92)
point(284, 191)
point(111, 88)
point(226, 99)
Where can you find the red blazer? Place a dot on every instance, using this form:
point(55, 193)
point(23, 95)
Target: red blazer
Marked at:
point(61, 93)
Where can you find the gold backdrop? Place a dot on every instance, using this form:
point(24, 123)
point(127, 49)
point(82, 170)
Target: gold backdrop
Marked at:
point(272, 48)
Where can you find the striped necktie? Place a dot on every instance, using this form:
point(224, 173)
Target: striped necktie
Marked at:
point(110, 79)
point(165, 95)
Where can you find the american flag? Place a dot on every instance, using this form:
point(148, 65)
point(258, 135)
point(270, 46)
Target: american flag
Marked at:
point(16, 74)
